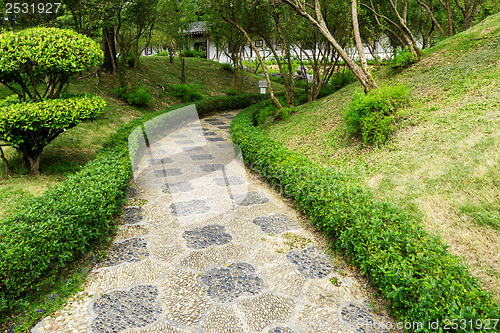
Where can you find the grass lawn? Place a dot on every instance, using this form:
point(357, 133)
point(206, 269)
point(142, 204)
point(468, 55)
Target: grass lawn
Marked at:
point(79, 145)
point(443, 162)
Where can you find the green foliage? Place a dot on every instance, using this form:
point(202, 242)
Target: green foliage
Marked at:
point(373, 116)
point(185, 92)
point(131, 60)
point(214, 104)
point(270, 114)
point(264, 114)
point(403, 59)
point(29, 56)
point(231, 92)
point(285, 113)
point(194, 54)
point(341, 79)
point(34, 125)
point(411, 268)
point(163, 54)
point(54, 230)
point(227, 67)
point(137, 97)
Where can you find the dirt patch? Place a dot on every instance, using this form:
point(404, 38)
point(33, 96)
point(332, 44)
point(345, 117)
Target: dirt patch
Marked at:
point(477, 245)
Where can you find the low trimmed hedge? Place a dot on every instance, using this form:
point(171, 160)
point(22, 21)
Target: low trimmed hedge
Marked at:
point(54, 230)
point(411, 268)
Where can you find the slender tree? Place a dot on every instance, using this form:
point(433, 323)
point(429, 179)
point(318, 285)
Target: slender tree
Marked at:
point(237, 13)
point(312, 12)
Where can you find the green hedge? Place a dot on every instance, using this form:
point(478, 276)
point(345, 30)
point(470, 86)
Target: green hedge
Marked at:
point(411, 268)
point(54, 230)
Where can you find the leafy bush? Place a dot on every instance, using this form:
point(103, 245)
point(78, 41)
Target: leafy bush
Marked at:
point(227, 68)
point(373, 116)
point(231, 92)
point(131, 60)
point(403, 59)
point(194, 54)
point(163, 54)
point(341, 79)
point(185, 92)
point(411, 268)
point(53, 54)
point(62, 225)
point(139, 97)
point(285, 113)
point(263, 114)
point(277, 79)
point(214, 104)
point(29, 127)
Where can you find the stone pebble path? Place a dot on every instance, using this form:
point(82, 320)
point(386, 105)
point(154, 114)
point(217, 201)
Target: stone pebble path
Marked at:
point(207, 246)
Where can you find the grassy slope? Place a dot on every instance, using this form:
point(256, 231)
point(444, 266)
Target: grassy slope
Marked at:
point(443, 162)
point(80, 144)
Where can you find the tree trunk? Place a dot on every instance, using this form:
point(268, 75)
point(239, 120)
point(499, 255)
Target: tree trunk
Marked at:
point(288, 88)
point(357, 37)
point(236, 65)
point(183, 70)
point(264, 68)
point(364, 78)
point(5, 162)
point(32, 160)
point(411, 42)
point(433, 18)
point(109, 48)
point(289, 80)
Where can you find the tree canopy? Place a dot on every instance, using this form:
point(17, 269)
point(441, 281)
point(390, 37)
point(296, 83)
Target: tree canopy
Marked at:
point(36, 63)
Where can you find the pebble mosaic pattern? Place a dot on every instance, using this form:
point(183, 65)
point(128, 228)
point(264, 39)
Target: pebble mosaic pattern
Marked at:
point(132, 192)
point(250, 199)
point(274, 224)
point(168, 172)
point(195, 148)
point(210, 134)
point(177, 187)
point(202, 157)
point(131, 215)
point(185, 208)
point(224, 127)
point(281, 330)
point(311, 262)
point(360, 317)
point(212, 167)
point(200, 238)
point(231, 180)
point(227, 284)
point(216, 139)
point(131, 250)
point(265, 310)
point(120, 310)
point(160, 161)
point(183, 142)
